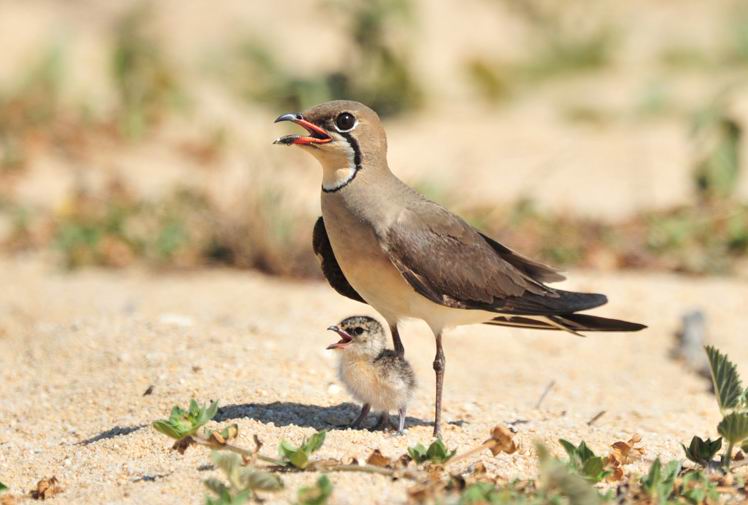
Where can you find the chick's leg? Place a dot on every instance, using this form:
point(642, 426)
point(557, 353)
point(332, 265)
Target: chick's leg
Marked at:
point(384, 421)
point(361, 417)
point(401, 422)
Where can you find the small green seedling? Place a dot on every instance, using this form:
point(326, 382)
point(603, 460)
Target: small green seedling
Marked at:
point(3, 487)
point(184, 423)
point(317, 494)
point(437, 452)
point(243, 481)
point(298, 457)
point(702, 452)
point(659, 482)
point(584, 462)
point(697, 488)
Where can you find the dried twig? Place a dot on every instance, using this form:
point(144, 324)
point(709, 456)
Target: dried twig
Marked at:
point(545, 393)
point(596, 417)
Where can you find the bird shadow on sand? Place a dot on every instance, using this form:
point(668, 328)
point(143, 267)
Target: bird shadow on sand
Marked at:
point(335, 417)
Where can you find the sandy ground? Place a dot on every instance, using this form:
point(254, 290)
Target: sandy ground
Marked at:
point(79, 350)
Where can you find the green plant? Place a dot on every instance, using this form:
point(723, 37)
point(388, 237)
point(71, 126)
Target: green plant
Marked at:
point(717, 135)
point(298, 457)
point(318, 494)
point(146, 83)
point(3, 487)
point(375, 69)
point(183, 423)
point(436, 453)
point(701, 451)
point(30, 109)
point(243, 481)
point(732, 400)
point(584, 462)
point(659, 482)
point(696, 488)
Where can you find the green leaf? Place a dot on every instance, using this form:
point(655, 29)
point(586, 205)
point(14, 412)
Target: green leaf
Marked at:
point(317, 494)
point(314, 443)
point(437, 452)
point(216, 486)
point(702, 451)
point(299, 456)
point(264, 481)
point(293, 455)
point(584, 462)
point(417, 453)
point(183, 423)
point(226, 498)
point(697, 488)
point(734, 427)
point(727, 385)
point(558, 481)
point(167, 429)
point(660, 480)
point(3, 487)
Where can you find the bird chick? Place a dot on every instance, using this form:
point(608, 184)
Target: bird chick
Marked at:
point(376, 376)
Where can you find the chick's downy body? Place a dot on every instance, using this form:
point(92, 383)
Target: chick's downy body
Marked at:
point(377, 377)
point(385, 382)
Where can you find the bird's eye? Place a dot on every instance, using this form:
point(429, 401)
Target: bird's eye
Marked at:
point(358, 330)
point(345, 121)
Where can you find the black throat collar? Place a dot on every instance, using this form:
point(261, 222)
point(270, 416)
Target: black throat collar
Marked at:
point(356, 163)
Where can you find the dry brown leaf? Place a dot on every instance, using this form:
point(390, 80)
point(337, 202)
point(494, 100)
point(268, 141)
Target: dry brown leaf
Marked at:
point(624, 453)
point(478, 469)
point(376, 458)
point(435, 472)
point(425, 492)
point(501, 441)
point(181, 445)
point(616, 474)
point(46, 488)
point(403, 461)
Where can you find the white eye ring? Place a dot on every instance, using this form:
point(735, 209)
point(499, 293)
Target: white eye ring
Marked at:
point(345, 115)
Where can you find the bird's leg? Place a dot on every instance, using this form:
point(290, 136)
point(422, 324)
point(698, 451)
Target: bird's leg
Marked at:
point(384, 421)
point(361, 417)
point(399, 349)
point(401, 423)
point(439, 365)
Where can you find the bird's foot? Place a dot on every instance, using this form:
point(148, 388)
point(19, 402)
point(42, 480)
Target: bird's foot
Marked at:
point(384, 423)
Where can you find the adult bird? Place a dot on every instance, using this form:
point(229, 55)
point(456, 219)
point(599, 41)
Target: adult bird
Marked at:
point(381, 242)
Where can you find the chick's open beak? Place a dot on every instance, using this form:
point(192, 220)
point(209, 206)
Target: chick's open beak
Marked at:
point(345, 338)
point(316, 135)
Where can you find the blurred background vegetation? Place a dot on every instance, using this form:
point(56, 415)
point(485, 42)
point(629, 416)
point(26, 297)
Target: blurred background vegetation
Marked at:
point(587, 134)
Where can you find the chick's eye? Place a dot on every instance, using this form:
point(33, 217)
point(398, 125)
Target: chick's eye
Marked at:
point(345, 121)
point(358, 330)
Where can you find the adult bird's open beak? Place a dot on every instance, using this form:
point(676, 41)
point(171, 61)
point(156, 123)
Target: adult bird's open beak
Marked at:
point(345, 338)
point(316, 135)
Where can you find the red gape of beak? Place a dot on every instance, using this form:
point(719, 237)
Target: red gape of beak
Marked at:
point(345, 338)
point(316, 135)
